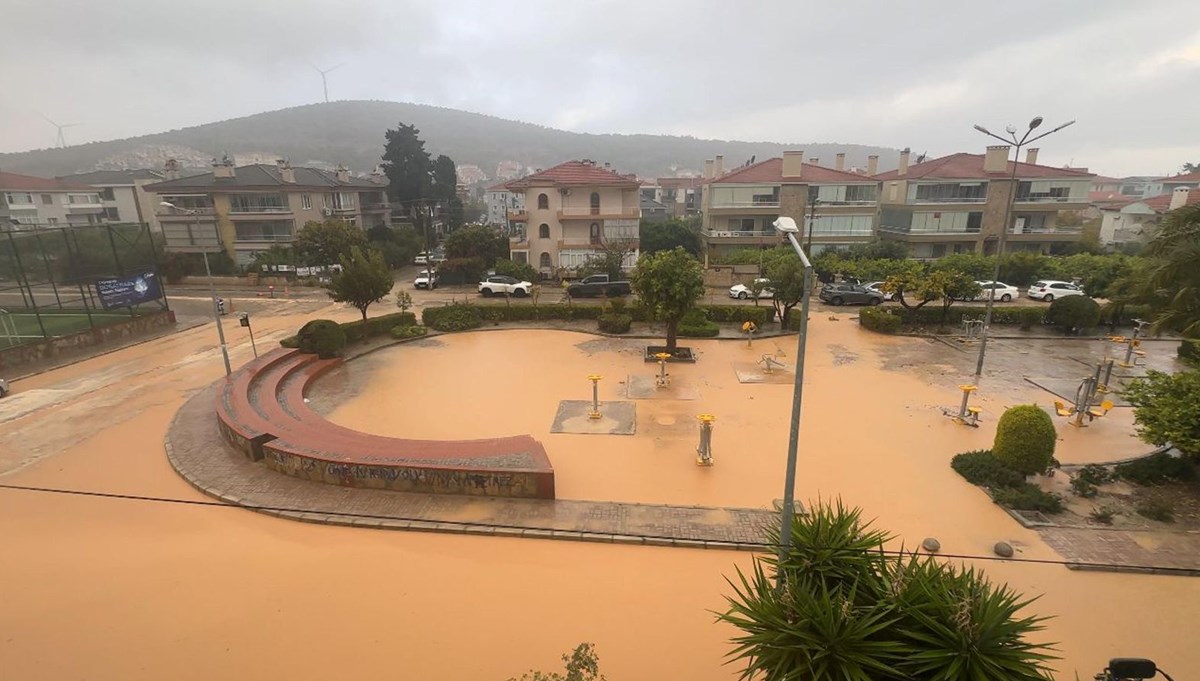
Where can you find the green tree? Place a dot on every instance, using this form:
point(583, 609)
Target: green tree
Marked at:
point(1173, 283)
point(785, 272)
point(1073, 314)
point(325, 242)
point(522, 271)
point(666, 235)
point(945, 285)
point(848, 611)
point(406, 165)
point(609, 259)
point(669, 283)
point(974, 265)
point(581, 665)
point(878, 249)
point(477, 242)
point(1025, 439)
point(365, 279)
point(1021, 268)
point(1167, 409)
point(444, 190)
point(1190, 167)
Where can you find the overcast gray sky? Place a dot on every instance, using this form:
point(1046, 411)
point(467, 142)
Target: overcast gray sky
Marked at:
point(915, 74)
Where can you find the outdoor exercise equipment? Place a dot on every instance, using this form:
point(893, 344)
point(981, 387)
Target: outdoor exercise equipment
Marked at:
point(770, 364)
point(663, 379)
point(1085, 397)
point(595, 411)
point(972, 330)
point(1132, 345)
point(749, 328)
point(704, 451)
point(966, 415)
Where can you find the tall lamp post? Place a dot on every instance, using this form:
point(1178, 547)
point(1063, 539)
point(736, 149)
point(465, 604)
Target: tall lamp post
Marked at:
point(812, 218)
point(1008, 209)
point(212, 287)
point(787, 227)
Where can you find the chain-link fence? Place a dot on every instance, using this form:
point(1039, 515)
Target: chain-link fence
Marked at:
point(59, 281)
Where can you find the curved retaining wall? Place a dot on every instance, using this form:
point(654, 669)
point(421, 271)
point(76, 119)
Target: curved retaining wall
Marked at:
point(261, 411)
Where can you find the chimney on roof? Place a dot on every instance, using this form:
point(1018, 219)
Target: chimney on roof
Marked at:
point(588, 162)
point(223, 168)
point(1179, 197)
point(607, 165)
point(342, 173)
point(1031, 156)
point(285, 171)
point(902, 169)
point(815, 161)
point(840, 163)
point(708, 169)
point(996, 159)
point(171, 169)
point(793, 165)
point(873, 164)
point(378, 176)
point(719, 165)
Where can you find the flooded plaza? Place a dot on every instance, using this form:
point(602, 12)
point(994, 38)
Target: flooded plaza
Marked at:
point(144, 590)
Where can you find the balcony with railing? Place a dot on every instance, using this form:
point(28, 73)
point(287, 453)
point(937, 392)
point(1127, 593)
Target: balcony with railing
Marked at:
point(241, 204)
point(948, 193)
point(605, 213)
point(181, 213)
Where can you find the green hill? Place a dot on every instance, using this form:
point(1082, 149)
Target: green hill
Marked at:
point(351, 133)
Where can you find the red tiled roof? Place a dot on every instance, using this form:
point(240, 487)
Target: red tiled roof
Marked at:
point(498, 187)
point(1162, 202)
point(1188, 177)
point(770, 171)
point(30, 183)
point(963, 166)
point(1109, 197)
point(575, 174)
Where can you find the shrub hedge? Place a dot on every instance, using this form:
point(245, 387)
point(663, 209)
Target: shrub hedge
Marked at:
point(1028, 497)
point(879, 319)
point(1025, 439)
point(1073, 314)
point(614, 322)
point(411, 331)
point(456, 317)
point(323, 337)
point(980, 467)
point(695, 324)
point(377, 326)
point(1156, 469)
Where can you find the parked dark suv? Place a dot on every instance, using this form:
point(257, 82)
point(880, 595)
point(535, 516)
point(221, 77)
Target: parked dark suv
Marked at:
point(849, 294)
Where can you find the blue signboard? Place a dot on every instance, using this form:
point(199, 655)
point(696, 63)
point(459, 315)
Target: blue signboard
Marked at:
point(130, 291)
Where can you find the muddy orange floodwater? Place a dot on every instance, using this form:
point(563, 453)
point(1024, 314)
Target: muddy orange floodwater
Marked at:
point(117, 589)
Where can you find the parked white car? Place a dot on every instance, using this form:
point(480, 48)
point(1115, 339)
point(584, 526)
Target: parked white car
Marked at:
point(500, 285)
point(998, 290)
point(421, 259)
point(1049, 289)
point(742, 292)
point(426, 279)
point(875, 286)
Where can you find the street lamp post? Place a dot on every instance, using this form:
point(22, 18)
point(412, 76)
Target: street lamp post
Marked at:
point(1008, 210)
point(212, 287)
point(787, 227)
point(812, 218)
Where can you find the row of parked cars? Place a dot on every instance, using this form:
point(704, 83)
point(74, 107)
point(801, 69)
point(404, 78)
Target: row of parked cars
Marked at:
point(872, 294)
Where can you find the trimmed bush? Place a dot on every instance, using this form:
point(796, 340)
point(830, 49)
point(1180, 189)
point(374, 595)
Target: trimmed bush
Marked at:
point(614, 323)
point(323, 337)
point(377, 326)
point(879, 319)
point(695, 324)
point(457, 317)
point(1156, 469)
point(1027, 317)
point(1027, 497)
point(411, 331)
point(528, 313)
point(980, 467)
point(290, 342)
point(739, 314)
point(1025, 439)
point(1073, 314)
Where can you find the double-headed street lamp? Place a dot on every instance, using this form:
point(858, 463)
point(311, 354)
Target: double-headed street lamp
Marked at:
point(212, 287)
point(787, 227)
point(1008, 209)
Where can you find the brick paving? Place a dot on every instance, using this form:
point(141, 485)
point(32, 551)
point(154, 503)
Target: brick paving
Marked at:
point(1126, 550)
point(199, 454)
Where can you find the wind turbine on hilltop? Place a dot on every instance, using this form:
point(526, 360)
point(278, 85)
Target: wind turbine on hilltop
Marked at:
point(61, 142)
point(324, 82)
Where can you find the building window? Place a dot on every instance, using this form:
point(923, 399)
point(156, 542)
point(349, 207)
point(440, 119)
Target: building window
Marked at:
point(594, 233)
point(543, 230)
point(106, 193)
point(111, 214)
point(306, 201)
point(52, 221)
point(595, 203)
point(47, 200)
point(544, 259)
point(543, 202)
point(974, 222)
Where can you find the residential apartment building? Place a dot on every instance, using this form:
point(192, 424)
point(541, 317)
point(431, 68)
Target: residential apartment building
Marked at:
point(681, 195)
point(1137, 219)
point(571, 211)
point(123, 193)
point(501, 202)
point(956, 204)
point(1173, 182)
point(247, 209)
point(740, 207)
point(29, 202)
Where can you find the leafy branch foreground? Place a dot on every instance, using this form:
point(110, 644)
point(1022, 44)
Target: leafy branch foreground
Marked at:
point(582, 664)
point(846, 610)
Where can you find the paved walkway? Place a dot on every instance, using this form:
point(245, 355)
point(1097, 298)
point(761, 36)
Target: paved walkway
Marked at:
point(1172, 553)
point(198, 453)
